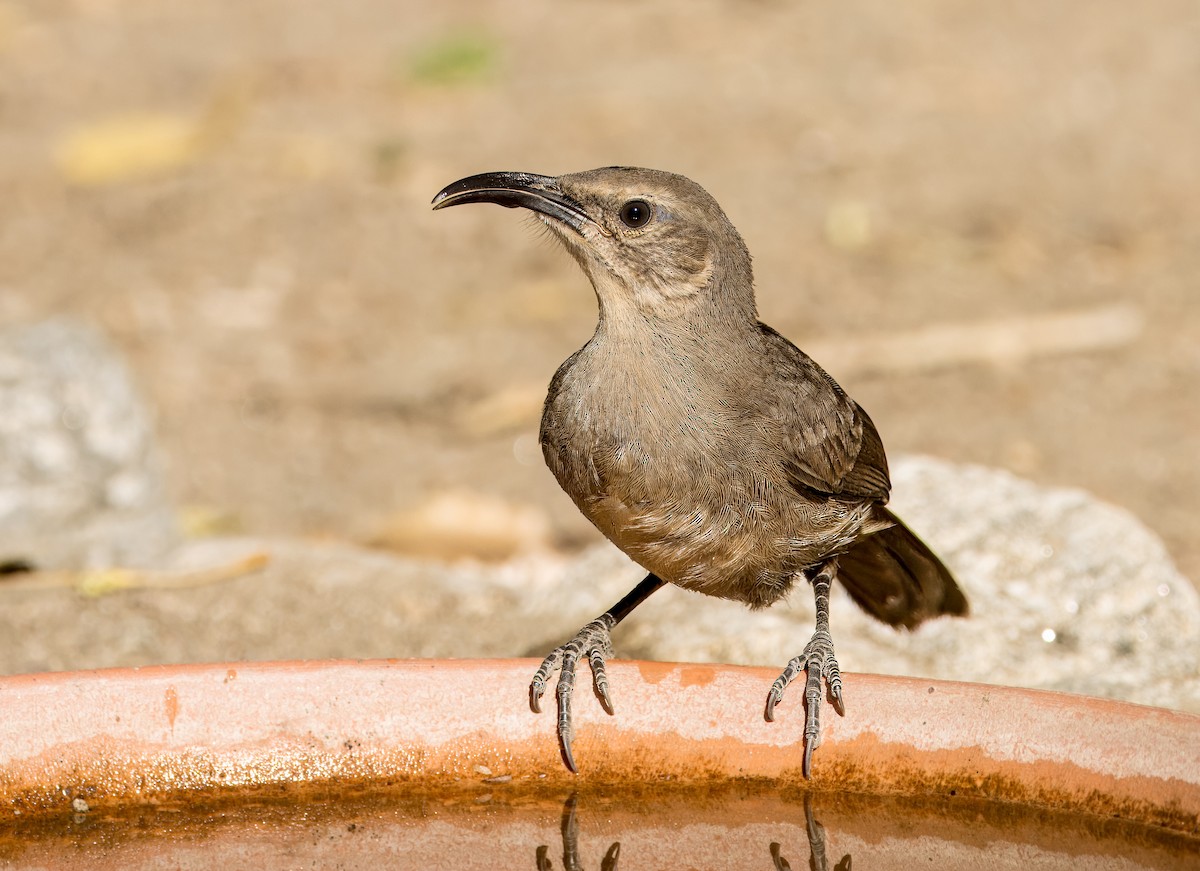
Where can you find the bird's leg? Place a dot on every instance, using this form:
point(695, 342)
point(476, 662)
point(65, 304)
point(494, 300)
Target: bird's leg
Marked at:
point(594, 642)
point(818, 661)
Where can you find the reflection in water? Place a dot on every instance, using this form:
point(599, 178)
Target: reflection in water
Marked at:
point(570, 840)
point(746, 828)
point(816, 846)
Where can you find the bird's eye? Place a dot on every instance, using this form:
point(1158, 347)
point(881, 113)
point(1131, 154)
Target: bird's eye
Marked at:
point(636, 213)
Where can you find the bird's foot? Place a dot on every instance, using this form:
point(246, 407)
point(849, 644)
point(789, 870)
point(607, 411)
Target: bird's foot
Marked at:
point(818, 661)
point(593, 642)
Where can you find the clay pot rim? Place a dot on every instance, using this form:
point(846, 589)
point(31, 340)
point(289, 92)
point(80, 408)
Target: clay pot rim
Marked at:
point(130, 735)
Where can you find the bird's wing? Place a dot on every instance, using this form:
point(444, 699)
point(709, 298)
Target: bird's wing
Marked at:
point(831, 445)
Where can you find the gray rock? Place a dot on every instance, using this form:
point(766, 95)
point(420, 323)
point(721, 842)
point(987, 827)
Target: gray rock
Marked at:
point(80, 485)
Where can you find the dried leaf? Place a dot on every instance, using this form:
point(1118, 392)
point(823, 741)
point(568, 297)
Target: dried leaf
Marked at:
point(128, 147)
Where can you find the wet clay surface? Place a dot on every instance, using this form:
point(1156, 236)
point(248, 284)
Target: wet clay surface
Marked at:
point(167, 734)
point(506, 825)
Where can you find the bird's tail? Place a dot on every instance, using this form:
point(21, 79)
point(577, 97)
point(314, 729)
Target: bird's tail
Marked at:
point(896, 578)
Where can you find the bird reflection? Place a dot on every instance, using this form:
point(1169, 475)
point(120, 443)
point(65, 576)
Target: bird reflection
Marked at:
point(570, 840)
point(569, 826)
point(816, 846)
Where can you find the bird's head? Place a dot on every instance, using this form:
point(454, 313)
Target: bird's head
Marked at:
point(653, 243)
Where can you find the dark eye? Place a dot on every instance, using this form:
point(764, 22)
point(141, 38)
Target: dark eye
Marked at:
point(636, 213)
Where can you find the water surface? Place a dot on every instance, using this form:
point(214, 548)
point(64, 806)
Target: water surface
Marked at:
point(508, 825)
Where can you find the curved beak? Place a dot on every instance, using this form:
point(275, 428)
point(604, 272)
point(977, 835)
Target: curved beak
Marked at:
point(539, 193)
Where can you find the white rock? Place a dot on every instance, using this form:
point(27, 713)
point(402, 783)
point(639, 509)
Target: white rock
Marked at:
point(80, 482)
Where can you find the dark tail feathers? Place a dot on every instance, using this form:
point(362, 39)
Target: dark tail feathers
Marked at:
point(895, 578)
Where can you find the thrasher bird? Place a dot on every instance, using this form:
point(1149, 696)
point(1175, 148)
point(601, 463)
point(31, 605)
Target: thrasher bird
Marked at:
point(702, 443)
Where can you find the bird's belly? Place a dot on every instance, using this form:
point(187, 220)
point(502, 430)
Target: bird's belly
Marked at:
point(747, 550)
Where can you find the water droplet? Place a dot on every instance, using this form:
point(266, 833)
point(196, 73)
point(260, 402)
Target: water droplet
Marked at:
point(1048, 635)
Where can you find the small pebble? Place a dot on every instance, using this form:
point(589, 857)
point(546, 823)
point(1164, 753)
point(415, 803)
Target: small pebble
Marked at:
point(80, 806)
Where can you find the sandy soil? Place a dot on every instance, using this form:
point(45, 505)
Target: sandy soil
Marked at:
point(237, 192)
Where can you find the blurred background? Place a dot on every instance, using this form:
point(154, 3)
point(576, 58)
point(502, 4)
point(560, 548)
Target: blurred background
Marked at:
point(984, 219)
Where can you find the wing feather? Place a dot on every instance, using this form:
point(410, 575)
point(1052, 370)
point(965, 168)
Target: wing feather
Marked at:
point(832, 447)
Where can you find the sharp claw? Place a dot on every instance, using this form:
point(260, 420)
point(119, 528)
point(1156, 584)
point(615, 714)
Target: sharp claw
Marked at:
point(535, 696)
point(564, 745)
point(838, 704)
point(605, 701)
point(808, 751)
point(772, 698)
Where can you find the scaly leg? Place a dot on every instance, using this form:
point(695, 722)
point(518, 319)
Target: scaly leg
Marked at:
point(594, 642)
point(818, 661)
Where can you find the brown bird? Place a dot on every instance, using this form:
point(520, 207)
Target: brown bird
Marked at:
point(702, 443)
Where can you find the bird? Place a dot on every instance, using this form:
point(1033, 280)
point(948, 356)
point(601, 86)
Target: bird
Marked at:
point(710, 449)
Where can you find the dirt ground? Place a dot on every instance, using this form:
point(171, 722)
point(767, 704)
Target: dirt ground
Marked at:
point(237, 192)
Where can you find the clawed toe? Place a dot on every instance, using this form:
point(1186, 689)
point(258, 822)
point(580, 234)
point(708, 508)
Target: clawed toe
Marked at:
point(537, 687)
point(818, 663)
point(593, 643)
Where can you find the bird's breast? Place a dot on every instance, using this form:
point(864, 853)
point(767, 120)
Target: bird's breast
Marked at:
point(681, 483)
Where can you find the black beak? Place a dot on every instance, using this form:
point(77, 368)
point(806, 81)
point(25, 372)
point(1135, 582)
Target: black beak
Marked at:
point(540, 193)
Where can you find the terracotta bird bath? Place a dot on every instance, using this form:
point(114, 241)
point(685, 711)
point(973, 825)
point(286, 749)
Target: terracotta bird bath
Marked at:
point(178, 750)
